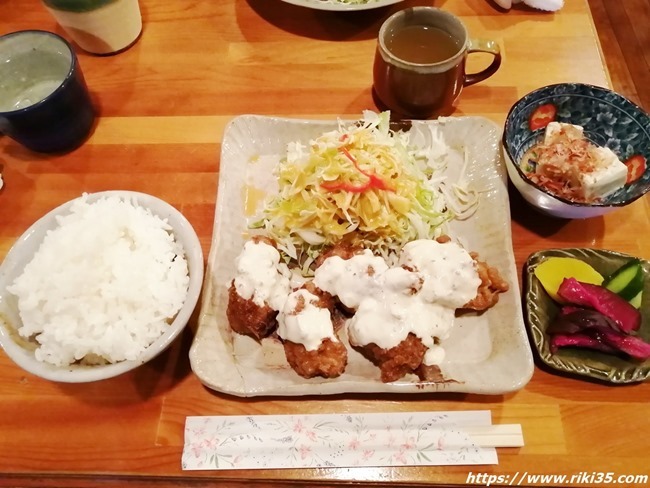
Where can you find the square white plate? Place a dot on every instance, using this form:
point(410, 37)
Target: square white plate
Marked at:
point(486, 353)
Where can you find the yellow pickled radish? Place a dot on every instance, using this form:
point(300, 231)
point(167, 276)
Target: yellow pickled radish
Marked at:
point(552, 271)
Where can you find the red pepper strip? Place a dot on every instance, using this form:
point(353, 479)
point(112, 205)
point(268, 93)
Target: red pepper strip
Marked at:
point(542, 116)
point(349, 187)
point(636, 166)
point(373, 180)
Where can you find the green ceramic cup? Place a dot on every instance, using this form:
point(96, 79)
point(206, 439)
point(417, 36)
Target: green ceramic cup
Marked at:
point(98, 26)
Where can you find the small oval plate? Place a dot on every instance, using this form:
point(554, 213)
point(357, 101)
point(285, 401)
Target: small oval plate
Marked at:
point(540, 309)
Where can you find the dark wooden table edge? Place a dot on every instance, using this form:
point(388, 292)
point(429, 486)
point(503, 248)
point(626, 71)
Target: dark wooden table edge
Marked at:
point(49, 480)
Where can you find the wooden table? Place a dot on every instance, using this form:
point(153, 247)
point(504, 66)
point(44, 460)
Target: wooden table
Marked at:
point(164, 104)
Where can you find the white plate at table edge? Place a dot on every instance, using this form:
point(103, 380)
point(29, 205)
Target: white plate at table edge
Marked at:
point(342, 7)
point(215, 354)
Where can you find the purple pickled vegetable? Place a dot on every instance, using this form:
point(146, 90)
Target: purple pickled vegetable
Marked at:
point(581, 327)
point(578, 340)
point(572, 320)
point(567, 309)
point(633, 346)
point(604, 301)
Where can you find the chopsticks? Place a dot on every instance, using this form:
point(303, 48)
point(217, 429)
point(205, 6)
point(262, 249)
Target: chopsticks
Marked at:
point(498, 435)
point(351, 439)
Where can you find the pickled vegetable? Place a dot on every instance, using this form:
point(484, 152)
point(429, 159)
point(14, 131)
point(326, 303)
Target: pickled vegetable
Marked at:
point(552, 271)
point(637, 299)
point(603, 300)
point(578, 340)
point(585, 328)
point(626, 281)
point(600, 315)
point(631, 345)
point(573, 320)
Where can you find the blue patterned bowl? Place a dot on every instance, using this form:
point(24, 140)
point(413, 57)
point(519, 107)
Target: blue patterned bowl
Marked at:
point(608, 120)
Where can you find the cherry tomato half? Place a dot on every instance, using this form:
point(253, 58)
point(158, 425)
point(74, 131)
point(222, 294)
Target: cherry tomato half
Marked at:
point(542, 116)
point(636, 166)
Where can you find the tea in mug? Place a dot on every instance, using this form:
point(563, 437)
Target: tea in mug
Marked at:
point(422, 44)
point(44, 100)
point(40, 74)
point(419, 67)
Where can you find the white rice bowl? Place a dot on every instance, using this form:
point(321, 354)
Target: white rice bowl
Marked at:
point(98, 286)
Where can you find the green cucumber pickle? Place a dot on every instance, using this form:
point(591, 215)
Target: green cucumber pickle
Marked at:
point(637, 300)
point(627, 281)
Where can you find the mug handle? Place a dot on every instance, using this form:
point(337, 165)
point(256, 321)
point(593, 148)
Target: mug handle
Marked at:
point(483, 46)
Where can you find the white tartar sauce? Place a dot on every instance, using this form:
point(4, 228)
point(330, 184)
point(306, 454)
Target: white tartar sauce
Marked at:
point(390, 303)
point(261, 276)
point(449, 272)
point(351, 279)
point(309, 326)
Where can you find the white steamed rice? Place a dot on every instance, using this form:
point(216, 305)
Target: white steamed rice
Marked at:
point(103, 285)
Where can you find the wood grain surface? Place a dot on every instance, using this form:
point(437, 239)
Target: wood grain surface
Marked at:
point(164, 104)
point(626, 45)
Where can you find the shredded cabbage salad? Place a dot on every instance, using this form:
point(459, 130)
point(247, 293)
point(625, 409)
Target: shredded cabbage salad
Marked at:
point(365, 184)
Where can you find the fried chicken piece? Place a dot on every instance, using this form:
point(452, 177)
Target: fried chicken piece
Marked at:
point(430, 373)
point(331, 357)
point(325, 300)
point(349, 275)
point(342, 249)
point(394, 363)
point(248, 318)
point(491, 285)
point(244, 315)
point(328, 361)
point(491, 282)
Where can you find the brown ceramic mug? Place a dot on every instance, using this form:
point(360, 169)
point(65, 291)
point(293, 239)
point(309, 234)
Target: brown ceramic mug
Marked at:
point(419, 68)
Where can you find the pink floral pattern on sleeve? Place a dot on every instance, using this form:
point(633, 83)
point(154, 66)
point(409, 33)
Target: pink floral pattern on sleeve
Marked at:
point(333, 440)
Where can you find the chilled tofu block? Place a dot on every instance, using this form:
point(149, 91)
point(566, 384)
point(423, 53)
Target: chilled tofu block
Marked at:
point(600, 175)
point(608, 175)
point(554, 164)
point(556, 129)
